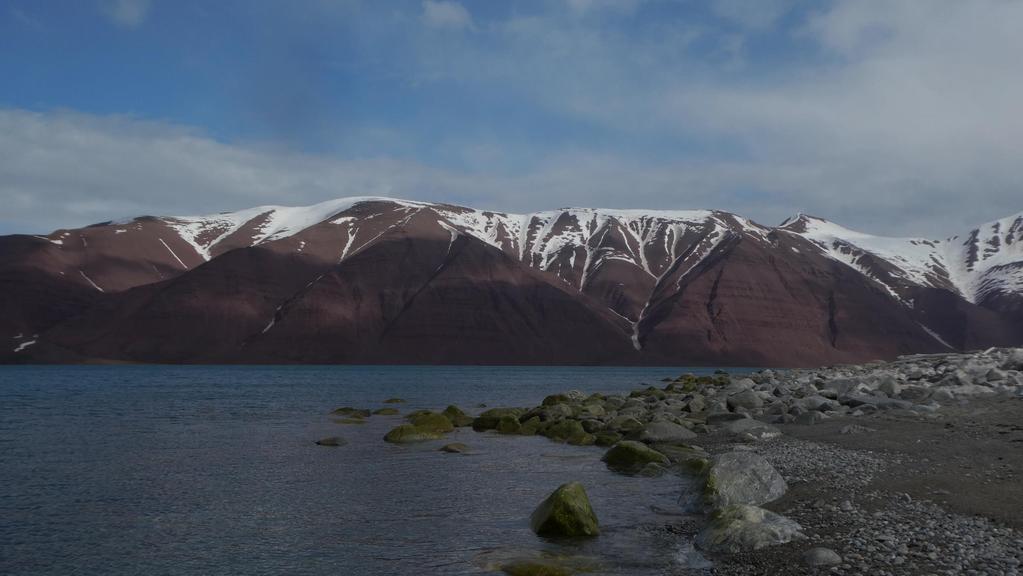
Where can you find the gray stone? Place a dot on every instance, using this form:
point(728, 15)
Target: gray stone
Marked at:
point(747, 399)
point(816, 557)
point(750, 429)
point(741, 528)
point(741, 478)
point(665, 432)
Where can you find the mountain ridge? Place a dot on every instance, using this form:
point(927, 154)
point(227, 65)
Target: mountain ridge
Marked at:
point(645, 268)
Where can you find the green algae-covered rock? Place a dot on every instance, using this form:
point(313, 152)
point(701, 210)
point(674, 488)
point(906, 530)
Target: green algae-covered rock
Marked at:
point(394, 401)
point(530, 426)
point(629, 457)
point(457, 417)
point(741, 528)
point(386, 412)
point(454, 448)
point(407, 433)
point(352, 412)
point(565, 431)
point(508, 424)
point(489, 419)
point(566, 512)
point(582, 440)
point(431, 422)
point(332, 441)
point(607, 438)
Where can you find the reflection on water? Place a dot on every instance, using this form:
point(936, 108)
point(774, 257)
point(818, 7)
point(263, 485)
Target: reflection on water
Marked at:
point(213, 470)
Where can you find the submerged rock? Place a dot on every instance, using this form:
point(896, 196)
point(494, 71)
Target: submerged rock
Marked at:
point(332, 441)
point(491, 418)
point(566, 512)
point(352, 412)
point(629, 457)
point(407, 433)
point(387, 412)
point(394, 401)
point(431, 422)
point(740, 528)
point(454, 448)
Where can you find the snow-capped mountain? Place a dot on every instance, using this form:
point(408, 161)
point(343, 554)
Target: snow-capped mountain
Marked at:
point(386, 280)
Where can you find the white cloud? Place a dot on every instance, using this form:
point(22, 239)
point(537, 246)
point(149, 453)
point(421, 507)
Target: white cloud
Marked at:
point(446, 14)
point(126, 13)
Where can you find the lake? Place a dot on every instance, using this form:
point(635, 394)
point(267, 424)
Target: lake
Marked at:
point(213, 470)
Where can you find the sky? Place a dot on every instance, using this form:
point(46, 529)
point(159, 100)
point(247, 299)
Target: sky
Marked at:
point(897, 117)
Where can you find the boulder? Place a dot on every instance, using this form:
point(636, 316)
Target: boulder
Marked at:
point(742, 528)
point(629, 457)
point(489, 419)
point(741, 477)
point(331, 441)
point(407, 433)
point(746, 400)
point(818, 557)
point(565, 431)
point(566, 512)
point(431, 422)
point(606, 438)
point(508, 425)
point(665, 432)
point(457, 417)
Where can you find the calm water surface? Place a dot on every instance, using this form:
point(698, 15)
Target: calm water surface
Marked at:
point(213, 470)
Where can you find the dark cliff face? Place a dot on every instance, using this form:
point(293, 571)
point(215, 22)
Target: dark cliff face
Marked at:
point(385, 281)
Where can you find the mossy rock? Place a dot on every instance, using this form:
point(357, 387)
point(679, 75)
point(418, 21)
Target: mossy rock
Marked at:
point(331, 441)
point(555, 399)
point(563, 430)
point(606, 438)
point(457, 417)
point(348, 421)
point(535, 568)
point(352, 412)
point(489, 419)
point(582, 440)
point(566, 512)
point(508, 425)
point(530, 426)
point(629, 457)
point(431, 422)
point(394, 401)
point(407, 433)
point(387, 412)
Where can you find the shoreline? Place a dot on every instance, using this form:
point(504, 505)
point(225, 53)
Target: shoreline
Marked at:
point(904, 467)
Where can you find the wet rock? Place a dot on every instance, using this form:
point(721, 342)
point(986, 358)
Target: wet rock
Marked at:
point(490, 419)
point(351, 412)
point(431, 422)
point(332, 441)
point(629, 457)
point(625, 424)
point(394, 401)
point(817, 557)
point(454, 448)
point(508, 425)
point(566, 431)
point(566, 512)
point(741, 528)
point(386, 412)
point(407, 433)
point(457, 417)
point(606, 438)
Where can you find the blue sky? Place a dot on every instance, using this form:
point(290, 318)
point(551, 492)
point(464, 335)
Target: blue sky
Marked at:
point(894, 117)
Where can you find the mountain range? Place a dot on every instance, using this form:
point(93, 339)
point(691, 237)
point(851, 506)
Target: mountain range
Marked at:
point(382, 280)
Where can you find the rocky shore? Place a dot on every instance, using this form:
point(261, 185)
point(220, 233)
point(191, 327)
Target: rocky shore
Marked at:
point(905, 467)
